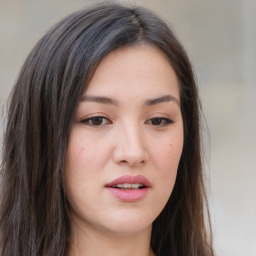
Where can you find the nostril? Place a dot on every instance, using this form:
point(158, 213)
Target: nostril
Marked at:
point(132, 163)
point(131, 154)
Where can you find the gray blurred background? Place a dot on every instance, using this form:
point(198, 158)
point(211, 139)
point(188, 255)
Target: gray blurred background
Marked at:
point(220, 37)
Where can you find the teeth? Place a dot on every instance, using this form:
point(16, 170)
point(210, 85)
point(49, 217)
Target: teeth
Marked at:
point(127, 185)
point(136, 185)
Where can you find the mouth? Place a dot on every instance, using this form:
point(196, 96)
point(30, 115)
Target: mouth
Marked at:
point(130, 182)
point(129, 188)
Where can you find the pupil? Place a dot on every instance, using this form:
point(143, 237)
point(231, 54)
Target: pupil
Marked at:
point(97, 121)
point(156, 121)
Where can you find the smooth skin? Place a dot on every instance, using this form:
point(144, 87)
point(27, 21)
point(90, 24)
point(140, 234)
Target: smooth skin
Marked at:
point(128, 122)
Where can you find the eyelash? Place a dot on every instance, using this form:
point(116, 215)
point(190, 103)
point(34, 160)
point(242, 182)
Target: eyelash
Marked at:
point(166, 121)
point(88, 121)
point(159, 120)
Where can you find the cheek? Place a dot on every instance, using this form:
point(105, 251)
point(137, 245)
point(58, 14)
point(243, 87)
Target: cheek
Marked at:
point(172, 154)
point(81, 165)
point(82, 168)
point(168, 163)
point(166, 158)
point(167, 154)
point(82, 152)
point(84, 162)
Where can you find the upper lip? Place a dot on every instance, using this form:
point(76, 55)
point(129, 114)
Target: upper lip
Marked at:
point(138, 179)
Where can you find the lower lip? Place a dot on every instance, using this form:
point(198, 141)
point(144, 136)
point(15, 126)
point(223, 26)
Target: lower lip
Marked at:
point(129, 195)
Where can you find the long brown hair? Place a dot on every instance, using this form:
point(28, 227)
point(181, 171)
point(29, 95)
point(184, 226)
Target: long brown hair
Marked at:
point(34, 212)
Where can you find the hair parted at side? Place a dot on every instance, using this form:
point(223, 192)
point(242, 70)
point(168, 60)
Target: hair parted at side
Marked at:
point(34, 213)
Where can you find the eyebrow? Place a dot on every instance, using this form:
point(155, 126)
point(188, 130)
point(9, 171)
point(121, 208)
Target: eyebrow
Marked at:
point(109, 101)
point(99, 99)
point(161, 99)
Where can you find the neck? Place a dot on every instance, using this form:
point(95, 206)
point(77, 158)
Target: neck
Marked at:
point(86, 242)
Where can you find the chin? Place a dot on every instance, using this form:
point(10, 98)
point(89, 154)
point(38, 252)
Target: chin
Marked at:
point(128, 223)
point(124, 230)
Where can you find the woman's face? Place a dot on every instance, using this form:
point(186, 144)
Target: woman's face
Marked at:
point(126, 143)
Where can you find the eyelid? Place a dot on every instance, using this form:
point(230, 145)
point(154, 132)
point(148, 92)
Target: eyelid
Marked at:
point(167, 121)
point(164, 120)
point(86, 120)
point(98, 114)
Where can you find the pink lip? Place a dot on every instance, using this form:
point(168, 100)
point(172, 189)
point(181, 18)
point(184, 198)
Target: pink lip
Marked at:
point(130, 180)
point(129, 195)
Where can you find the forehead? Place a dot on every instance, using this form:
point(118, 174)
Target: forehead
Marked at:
point(134, 71)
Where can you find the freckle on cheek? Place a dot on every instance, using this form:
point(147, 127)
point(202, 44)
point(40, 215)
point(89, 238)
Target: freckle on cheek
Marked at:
point(169, 148)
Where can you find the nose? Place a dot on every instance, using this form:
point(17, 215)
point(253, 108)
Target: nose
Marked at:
point(130, 148)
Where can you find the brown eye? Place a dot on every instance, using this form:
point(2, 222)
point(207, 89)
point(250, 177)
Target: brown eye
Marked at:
point(156, 121)
point(159, 121)
point(96, 121)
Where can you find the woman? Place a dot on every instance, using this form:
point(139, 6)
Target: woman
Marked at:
point(102, 148)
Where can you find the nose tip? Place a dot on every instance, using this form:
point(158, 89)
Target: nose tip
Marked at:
point(132, 159)
point(130, 151)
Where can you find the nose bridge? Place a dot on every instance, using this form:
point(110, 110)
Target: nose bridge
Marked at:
point(133, 135)
point(130, 145)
